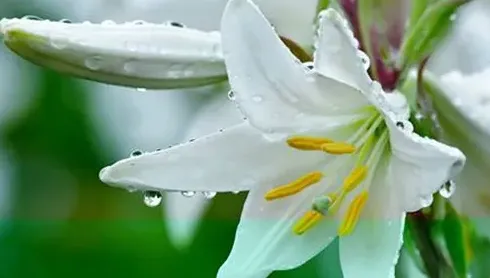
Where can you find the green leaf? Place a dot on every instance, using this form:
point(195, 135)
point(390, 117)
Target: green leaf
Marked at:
point(416, 11)
point(454, 237)
point(428, 31)
point(322, 5)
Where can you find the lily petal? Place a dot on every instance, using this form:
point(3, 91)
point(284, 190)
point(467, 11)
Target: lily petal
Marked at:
point(372, 249)
point(155, 56)
point(466, 46)
point(336, 54)
point(424, 164)
point(182, 214)
point(271, 87)
point(198, 166)
point(462, 105)
point(264, 239)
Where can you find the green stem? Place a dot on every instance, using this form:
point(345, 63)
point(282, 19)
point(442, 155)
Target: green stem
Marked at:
point(434, 261)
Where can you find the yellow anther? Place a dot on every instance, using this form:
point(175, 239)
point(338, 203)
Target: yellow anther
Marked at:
point(355, 178)
point(307, 143)
point(338, 148)
point(353, 213)
point(294, 187)
point(309, 219)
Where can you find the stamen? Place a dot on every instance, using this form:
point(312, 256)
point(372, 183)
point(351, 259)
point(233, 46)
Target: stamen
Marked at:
point(338, 148)
point(294, 187)
point(353, 213)
point(355, 178)
point(307, 143)
point(309, 219)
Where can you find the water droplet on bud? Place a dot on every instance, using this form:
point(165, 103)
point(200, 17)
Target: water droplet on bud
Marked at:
point(136, 153)
point(94, 63)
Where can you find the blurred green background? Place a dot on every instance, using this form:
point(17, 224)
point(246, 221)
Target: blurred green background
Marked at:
point(56, 132)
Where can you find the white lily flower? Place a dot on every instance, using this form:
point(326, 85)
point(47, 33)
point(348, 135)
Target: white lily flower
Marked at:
point(324, 153)
point(462, 70)
point(465, 120)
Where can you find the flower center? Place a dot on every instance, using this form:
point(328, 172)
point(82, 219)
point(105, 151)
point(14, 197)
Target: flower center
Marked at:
point(367, 145)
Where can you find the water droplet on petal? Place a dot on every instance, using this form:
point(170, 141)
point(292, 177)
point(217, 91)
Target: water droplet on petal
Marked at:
point(209, 194)
point(94, 63)
point(188, 194)
point(235, 192)
point(108, 22)
point(141, 90)
point(139, 22)
point(257, 98)
point(176, 24)
point(426, 201)
point(65, 20)
point(231, 95)
point(152, 198)
point(447, 190)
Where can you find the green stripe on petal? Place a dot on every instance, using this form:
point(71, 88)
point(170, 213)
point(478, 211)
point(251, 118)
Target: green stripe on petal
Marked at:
point(140, 55)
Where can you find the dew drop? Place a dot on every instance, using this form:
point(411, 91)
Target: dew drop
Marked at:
point(65, 20)
point(176, 24)
point(231, 95)
point(209, 194)
point(94, 63)
point(139, 22)
point(447, 190)
point(188, 194)
point(31, 17)
point(136, 153)
point(452, 17)
point(142, 90)
point(257, 98)
point(108, 22)
point(152, 198)
point(235, 192)
point(426, 201)
point(58, 41)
